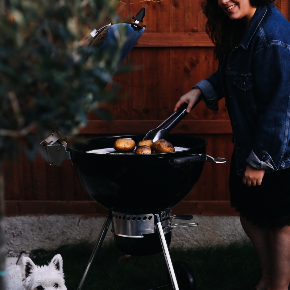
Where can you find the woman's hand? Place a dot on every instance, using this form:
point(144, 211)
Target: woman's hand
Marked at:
point(192, 98)
point(253, 176)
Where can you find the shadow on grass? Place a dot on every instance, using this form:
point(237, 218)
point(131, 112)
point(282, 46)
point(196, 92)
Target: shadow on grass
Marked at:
point(234, 267)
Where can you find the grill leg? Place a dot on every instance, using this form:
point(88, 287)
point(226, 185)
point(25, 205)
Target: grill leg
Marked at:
point(97, 247)
point(166, 254)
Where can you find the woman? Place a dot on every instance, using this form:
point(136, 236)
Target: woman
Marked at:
point(252, 44)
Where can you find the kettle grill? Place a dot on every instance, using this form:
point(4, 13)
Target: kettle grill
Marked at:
point(138, 190)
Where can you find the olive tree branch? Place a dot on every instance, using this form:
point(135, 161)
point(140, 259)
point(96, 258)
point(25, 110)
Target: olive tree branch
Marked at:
point(16, 108)
point(18, 133)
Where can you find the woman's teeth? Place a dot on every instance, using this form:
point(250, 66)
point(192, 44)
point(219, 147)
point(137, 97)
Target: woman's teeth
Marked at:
point(231, 7)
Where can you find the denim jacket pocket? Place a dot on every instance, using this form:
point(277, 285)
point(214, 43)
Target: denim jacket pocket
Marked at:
point(243, 82)
point(243, 85)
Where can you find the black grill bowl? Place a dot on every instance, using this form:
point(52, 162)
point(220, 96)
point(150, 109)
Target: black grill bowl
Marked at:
point(137, 183)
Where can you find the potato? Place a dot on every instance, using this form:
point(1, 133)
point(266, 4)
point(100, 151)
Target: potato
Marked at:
point(162, 146)
point(143, 150)
point(145, 142)
point(124, 145)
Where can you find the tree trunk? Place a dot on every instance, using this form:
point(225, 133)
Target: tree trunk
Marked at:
point(2, 230)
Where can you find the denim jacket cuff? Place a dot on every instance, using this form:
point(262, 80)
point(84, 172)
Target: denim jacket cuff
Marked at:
point(209, 96)
point(257, 163)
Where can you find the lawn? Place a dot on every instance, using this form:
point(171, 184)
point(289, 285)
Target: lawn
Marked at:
point(234, 267)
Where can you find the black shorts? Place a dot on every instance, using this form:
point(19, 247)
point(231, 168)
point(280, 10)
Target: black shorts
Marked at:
point(266, 205)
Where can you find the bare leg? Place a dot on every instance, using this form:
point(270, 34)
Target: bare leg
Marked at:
point(273, 248)
point(260, 240)
point(280, 258)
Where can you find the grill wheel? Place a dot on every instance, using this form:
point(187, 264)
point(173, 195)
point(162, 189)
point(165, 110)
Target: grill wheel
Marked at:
point(184, 275)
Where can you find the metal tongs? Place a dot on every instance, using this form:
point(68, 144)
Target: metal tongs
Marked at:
point(162, 131)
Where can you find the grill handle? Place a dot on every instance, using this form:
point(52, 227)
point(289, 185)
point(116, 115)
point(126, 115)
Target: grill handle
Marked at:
point(53, 150)
point(184, 217)
point(184, 225)
point(196, 158)
point(55, 154)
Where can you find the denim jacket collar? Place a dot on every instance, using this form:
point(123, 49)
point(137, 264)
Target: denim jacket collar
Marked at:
point(254, 25)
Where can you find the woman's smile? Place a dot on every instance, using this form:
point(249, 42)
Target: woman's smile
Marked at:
point(238, 9)
point(231, 7)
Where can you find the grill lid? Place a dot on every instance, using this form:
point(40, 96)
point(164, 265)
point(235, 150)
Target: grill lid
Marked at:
point(108, 37)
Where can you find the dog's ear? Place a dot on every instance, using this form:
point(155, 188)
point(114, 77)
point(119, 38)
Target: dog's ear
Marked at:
point(27, 266)
point(57, 262)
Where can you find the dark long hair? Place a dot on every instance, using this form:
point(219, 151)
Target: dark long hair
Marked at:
point(225, 33)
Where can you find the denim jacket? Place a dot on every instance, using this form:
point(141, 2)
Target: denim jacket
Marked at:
point(258, 85)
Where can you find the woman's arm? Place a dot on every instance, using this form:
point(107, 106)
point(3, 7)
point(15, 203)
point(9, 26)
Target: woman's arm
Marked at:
point(209, 90)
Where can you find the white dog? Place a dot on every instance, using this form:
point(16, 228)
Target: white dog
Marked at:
point(28, 276)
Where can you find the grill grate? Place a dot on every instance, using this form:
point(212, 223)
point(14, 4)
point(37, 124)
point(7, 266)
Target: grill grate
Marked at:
point(112, 151)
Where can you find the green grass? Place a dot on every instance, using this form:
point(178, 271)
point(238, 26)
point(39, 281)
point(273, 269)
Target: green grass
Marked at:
point(234, 267)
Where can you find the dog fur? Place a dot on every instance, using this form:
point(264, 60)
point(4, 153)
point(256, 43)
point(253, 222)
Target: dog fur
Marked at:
point(28, 276)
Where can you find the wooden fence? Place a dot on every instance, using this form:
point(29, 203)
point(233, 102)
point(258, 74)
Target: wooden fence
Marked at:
point(175, 53)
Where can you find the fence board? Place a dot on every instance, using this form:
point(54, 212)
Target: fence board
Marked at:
point(285, 8)
point(39, 185)
point(53, 177)
point(175, 39)
point(136, 85)
point(67, 176)
point(150, 84)
point(12, 180)
point(164, 90)
point(143, 126)
point(89, 208)
point(177, 17)
point(191, 16)
point(25, 170)
point(163, 16)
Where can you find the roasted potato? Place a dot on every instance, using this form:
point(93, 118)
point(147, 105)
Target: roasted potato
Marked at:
point(124, 145)
point(145, 142)
point(143, 150)
point(162, 146)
